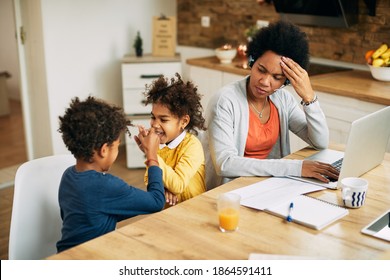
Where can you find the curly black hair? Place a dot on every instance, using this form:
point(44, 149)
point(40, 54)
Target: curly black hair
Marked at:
point(283, 38)
point(87, 125)
point(181, 98)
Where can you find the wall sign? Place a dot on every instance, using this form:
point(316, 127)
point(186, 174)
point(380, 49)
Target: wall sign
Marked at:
point(164, 36)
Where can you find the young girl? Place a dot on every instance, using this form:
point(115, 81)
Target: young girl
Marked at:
point(176, 114)
point(91, 200)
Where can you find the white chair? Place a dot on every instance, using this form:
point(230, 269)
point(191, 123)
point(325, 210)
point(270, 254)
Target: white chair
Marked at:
point(36, 222)
point(212, 179)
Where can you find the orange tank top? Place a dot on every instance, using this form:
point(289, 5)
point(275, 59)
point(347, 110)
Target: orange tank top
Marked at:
point(262, 137)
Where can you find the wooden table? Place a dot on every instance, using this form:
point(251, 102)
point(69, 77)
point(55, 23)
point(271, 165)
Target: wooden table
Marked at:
point(189, 230)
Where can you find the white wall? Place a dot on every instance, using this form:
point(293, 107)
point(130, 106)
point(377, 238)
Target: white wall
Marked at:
point(8, 48)
point(84, 42)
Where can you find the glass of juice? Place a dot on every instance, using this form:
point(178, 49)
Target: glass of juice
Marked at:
point(228, 205)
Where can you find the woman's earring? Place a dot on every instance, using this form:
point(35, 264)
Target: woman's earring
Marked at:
point(251, 61)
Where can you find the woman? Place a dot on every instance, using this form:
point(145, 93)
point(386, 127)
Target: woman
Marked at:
point(249, 120)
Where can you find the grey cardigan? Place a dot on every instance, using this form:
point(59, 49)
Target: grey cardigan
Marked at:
point(228, 120)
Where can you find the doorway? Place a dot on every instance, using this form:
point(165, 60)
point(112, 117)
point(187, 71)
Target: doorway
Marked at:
point(12, 136)
point(12, 142)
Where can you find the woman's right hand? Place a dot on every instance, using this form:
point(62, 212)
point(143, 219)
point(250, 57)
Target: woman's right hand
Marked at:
point(299, 79)
point(319, 170)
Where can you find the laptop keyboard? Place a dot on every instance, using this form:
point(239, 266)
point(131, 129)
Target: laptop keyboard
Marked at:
point(337, 164)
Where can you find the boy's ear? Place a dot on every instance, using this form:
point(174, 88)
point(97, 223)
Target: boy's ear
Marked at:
point(102, 152)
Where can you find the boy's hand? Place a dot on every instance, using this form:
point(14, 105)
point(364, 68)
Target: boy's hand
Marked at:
point(148, 142)
point(144, 132)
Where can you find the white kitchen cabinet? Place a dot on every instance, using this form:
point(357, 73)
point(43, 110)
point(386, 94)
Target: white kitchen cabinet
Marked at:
point(210, 81)
point(341, 111)
point(228, 78)
point(135, 158)
point(137, 72)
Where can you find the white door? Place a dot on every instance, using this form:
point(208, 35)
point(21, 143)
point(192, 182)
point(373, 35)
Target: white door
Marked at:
point(20, 30)
point(32, 78)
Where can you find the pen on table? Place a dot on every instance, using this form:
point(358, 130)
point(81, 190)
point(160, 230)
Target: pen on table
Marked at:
point(289, 216)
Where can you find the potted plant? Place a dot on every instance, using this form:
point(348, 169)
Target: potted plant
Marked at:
point(250, 32)
point(138, 44)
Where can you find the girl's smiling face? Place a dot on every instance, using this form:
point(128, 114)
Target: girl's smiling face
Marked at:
point(167, 125)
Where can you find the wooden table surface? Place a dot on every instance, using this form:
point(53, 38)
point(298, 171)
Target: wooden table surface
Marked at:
point(189, 230)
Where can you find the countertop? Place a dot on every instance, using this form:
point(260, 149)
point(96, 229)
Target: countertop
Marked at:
point(148, 58)
point(351, 83)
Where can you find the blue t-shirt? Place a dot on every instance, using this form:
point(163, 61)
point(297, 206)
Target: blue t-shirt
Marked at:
point(92, 203)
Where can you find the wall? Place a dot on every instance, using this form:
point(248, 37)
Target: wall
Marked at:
point(229, 19)
point(83, 43)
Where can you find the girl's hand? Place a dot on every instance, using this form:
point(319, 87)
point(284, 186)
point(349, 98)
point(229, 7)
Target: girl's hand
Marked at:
point(170, 198)
point(299, 79)
point(318, 170)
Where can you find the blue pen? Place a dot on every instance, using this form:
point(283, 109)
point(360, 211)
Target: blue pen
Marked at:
point(289, 217)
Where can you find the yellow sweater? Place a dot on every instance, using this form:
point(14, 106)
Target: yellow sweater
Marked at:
point(183, 168)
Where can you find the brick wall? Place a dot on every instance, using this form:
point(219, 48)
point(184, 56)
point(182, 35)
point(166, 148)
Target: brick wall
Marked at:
point(229, 19)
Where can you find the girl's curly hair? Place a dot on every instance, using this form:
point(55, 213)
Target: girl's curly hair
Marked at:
point(87, 125)
point(181, 98)
point(283, 38)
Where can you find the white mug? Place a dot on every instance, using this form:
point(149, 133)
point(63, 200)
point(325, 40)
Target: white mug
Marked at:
point(353, 191)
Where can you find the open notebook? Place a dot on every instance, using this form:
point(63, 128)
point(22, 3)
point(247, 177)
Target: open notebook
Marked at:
point(309, 211)
point(275, 194)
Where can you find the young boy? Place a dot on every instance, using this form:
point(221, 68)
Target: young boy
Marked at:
point(92, 201)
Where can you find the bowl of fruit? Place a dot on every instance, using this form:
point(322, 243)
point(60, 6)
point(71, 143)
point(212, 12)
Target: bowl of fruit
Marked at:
point(379, 62)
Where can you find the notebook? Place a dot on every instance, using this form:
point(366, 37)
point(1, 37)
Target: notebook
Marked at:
point(366, 146)
point(273, 191)
point(309, 211)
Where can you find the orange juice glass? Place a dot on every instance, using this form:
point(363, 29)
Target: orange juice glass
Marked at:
point(228, 211)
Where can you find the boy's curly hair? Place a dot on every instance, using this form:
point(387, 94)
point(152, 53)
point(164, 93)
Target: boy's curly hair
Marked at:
point(181, 98)
point(283, 38)
point(87, 125)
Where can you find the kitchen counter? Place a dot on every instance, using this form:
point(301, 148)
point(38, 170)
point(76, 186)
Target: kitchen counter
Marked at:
point(356, 84)
point(148, 58)
point(351, 83)
point(212, 62)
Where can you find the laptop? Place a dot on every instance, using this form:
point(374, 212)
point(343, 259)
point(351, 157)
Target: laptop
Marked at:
point(366, 146)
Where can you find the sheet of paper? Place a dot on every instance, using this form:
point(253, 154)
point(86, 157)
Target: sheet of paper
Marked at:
point(273, 191)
